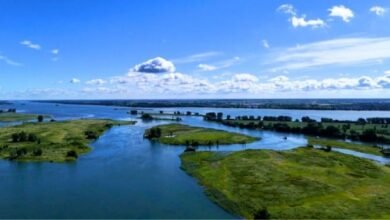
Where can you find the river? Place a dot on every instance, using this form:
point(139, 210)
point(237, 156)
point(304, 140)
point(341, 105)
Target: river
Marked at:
point(127, 176)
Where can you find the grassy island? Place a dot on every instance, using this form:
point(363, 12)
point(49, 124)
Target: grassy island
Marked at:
point(302, 183)
point(51, 141)
point(179, 134)
point(13, 116)
point(364, 148)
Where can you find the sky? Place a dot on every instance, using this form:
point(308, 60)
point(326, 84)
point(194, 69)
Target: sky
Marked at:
point(175, 49)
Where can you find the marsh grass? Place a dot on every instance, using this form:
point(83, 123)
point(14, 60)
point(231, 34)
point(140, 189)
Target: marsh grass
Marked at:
point(179, 134)
point(301, 183)
point(54, 142)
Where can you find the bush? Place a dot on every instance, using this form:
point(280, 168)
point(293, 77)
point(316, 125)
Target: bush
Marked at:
point(146, 117)
point(262, 214)
point(37, 152)
point(91, 135)
point(40, 118)
point(32, 138)
point(72, 153)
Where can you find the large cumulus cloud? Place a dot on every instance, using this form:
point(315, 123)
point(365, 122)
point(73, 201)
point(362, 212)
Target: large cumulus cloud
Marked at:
point(155, 65)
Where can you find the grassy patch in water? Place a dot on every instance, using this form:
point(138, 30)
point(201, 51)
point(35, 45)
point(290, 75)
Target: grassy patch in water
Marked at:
point(364, 148)
point(179, 134)
point(304, 183)
point(12, 117)
point(51, 141)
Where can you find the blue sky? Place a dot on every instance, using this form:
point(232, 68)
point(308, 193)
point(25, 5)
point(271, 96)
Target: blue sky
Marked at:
point(194, 49)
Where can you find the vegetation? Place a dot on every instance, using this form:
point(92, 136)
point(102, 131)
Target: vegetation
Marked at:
point(308, 104)
point(13, 116)
point(374, 130)
point(51, 141)
point(150, 117)
point(179, 134)
point(364, 148)
point(304, 183)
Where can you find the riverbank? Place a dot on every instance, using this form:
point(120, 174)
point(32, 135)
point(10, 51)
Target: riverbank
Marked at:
point(51, 141)
point(302, 183)
point(179, 134)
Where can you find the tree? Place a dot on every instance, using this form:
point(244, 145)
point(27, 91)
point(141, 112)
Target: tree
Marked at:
point(32, 138)
point(40, 118)
point(37, 152)
point(146, 117)
point(262, 214)
point(219, 116)
point(72, 153)
point(15, 137)
point(369, 135)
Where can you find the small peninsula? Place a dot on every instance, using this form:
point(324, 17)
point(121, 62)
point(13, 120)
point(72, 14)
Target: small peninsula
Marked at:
point(52, 141)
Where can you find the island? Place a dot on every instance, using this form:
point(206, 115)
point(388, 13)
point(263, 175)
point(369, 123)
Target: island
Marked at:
point(52, 141)
point(304, 183)
point(13, 117)
point(364, 131)
point(180, 134)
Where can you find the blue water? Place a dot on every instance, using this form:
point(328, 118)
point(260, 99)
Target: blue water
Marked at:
point(125, 176)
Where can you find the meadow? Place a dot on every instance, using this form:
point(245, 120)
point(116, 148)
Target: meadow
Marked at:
point(51, 141)
point(302, 183)
point(179, 134)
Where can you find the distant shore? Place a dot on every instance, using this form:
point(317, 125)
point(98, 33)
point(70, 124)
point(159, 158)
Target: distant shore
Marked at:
point(296, 104)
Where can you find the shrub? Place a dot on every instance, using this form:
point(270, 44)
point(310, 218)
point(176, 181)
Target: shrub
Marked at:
point(146, 117)
point(91, 135)
point(72, 153)
point(37, 152)
point(262, 214)
point(40, 118)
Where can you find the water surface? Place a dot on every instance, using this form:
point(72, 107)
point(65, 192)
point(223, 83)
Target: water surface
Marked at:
point(125, 176)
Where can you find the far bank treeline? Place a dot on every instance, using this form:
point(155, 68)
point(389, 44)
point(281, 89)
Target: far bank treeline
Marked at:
point(375, 130)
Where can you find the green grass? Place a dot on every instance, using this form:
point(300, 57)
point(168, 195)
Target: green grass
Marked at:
point(304, 183)
point(54, 139)
point(364, 148)
point(179, 134)
point(381, 130)
point(12, 117)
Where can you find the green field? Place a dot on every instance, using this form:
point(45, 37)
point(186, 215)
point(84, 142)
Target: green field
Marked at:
point(179, 134)
point(12, 117)
point(51, 141)
point(364, 148)
point(302, 183)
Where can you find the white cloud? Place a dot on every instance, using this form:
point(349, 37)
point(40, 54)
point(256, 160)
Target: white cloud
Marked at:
point(9, 61)
point(55, 51)
point(287, 9)
point(155, 65)
point(197, 57)
point(343, 51)
point(341, 11)
point(74, 81)
point(265, 44)
point(245, 77)
point(206, 67)
point(300, 21)
point(31, 45)
point(378, 10)
point(96, 82)
point(220, 64)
